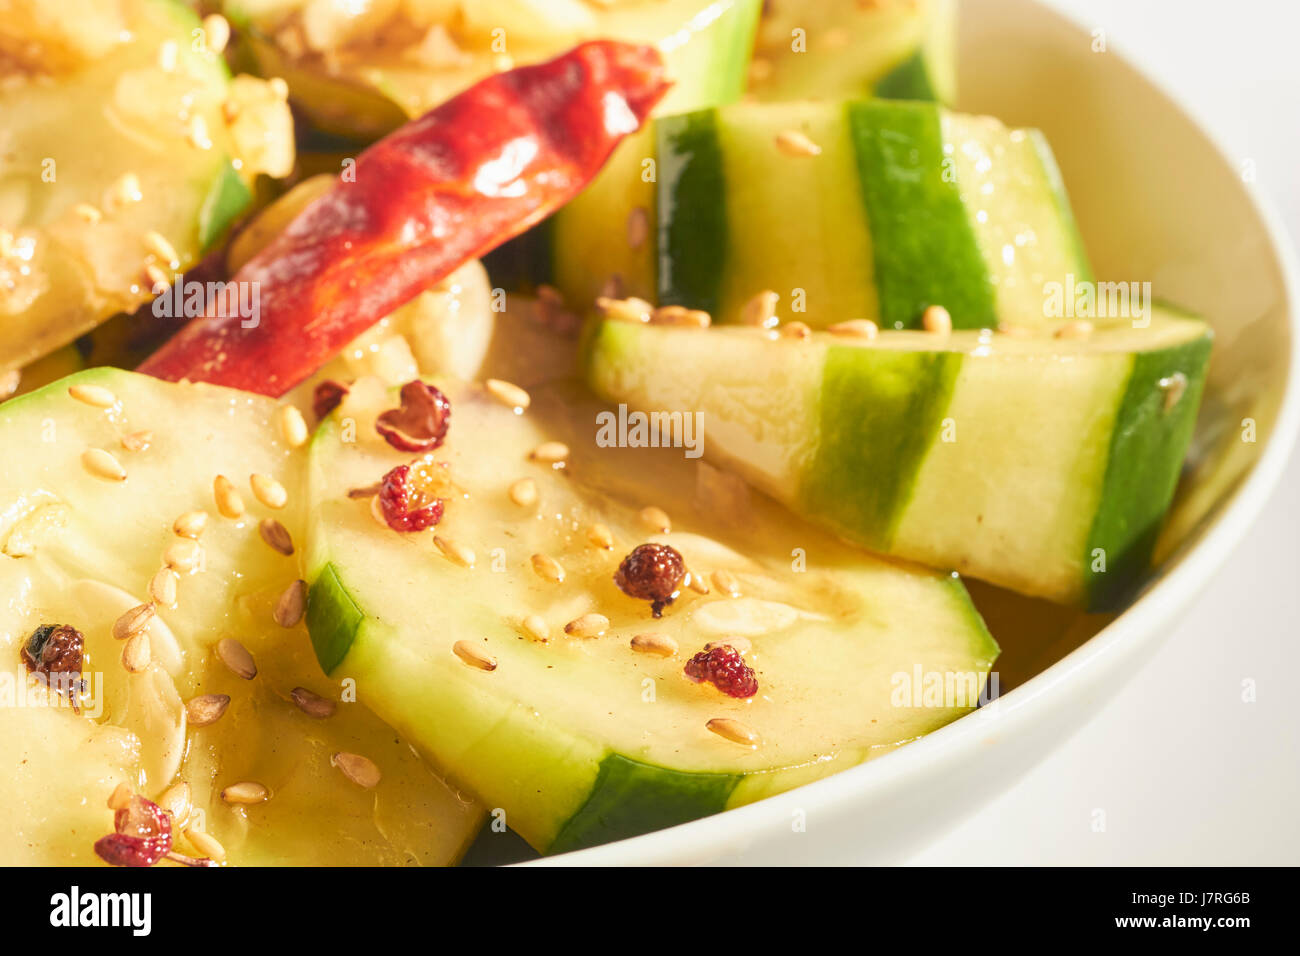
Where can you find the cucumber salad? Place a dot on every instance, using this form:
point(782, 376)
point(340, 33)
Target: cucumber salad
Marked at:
point(437, 430)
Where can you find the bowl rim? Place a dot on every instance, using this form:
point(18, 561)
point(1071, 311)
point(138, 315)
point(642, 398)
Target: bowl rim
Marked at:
point(1148, 617)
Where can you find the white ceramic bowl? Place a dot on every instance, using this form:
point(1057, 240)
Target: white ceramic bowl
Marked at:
point(1156, 200)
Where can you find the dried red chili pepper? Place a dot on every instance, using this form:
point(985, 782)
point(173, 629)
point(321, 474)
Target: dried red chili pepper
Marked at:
point(443, 189)
point(421, 423)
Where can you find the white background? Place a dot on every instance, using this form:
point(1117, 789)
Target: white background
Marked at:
point(1183, 770)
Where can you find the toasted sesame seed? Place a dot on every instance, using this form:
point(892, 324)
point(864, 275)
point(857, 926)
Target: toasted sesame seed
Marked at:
point(244, 792)
point(455, 551)
point(183, 555)
point(550, 452)
point(796, 330)
point(135, 655)
point(524, 492)
point(88, 213)
point(137, 441)
point(291, 604)
point(1079, 329)
point(94, 395)
point(625, 310)
point(133, 622)
point(177, 801)
point(600, 535)
point(656, 519)
point(534, 626)
point(547, 568)
point(216, 29)
point(638, 227)
point(268, 491)
point(937, 320)
point(360, 770)
point(313, 705)
point(734, 730)
point(1014, 331)
point(507, 393)
point(276, 535)
point(588, 625)
point(761, 310)
point(155, 278)
point(190, 524)
point(120, 798)
point(696, 582)
point(855, 328)
point(229, 503)
point(125, 189)
point(741, 645)
point(681, 316)
point(470, 653)
point(206, 844)
point(660, 645)
point(236, 657)
point(162, 587)
point(793, 142)
point(726, 582)
point(197, 133)
point(1174, 386)
point(158, 245)
point(293, 427)
point(206, 709)
point(102, 465)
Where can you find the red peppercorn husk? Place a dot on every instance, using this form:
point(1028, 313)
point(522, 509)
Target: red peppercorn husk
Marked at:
point(421, 423)
point(407, 499)
point(326, 397)
point(724, 668)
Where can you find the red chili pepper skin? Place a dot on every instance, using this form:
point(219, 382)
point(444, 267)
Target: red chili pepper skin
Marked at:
point(445, 188)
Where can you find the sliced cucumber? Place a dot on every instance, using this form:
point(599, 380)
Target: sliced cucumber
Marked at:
point(1041, 464)
point(362, 72)
point(581, 739)
point(894, 49)
point(105, 146)
point(908, 205)
point(80, 550)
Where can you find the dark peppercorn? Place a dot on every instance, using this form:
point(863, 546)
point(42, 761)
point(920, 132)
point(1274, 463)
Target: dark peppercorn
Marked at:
point(54, 652)
point(652, 572)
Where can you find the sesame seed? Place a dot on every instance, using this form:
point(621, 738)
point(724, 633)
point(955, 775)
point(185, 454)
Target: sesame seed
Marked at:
point(313, 705)
point(660, 645)
point(796, 330)
point(293, 427)
point(229, 503)
point(624, 310)
point(638, 227)
point(176, 800)
point(761, 310)
point(793, 142)
point(600, 535)
point(656, 519)
point(268, 491)
point(245, 792)
point(184, 555)
point(681, 316)
point(126, 189)
point(205, 844)
point(206, 709)
point(507, 393)
point(217, 31)
point(88, 213)
point(696, 582)
point(158, 245)
point(855, 329)
point(937, 320)
point(524, 492)
point(102, 465)
point(1079, 329)
point(197, 133)
point(155, 277)
point(1014, 331)
point(236, 657)
point(133, 622)
point(469, 652)
point(726, 582)
point(291, 604)
point(547, 568)
point(162, 587)
point(535, 627)
point(741, 645)
point(120, 798)
point(734, 730)
point(168, 56)
point(276, 535)
point(550, 452)
point(589, 625)
point(455, 551)
point(190, 524)
point(360, 770)
point(94, 395)
point(137, 441)
point(135, 655)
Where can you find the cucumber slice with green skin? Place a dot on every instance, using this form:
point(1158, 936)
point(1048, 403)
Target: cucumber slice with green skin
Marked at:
point(908, 205)
point(1040, 464)
point(72, 136)
point(893, 49)
point(80, 550)
point(366, 89)
point(583, 740)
